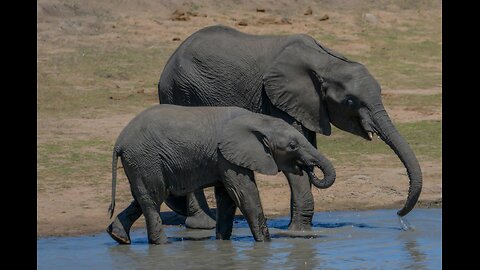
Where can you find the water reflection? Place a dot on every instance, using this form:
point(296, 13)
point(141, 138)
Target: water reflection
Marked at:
point(416, 258)
point(286, 250)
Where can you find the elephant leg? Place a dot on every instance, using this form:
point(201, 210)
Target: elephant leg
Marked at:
point(149, 191)
point(151, 211)
point(301, 202)
point(240, 185)
point(119, 229)
point(301, 198)
point(199, 214)
point(178, 204)
point(225, 213)
point(195, 208)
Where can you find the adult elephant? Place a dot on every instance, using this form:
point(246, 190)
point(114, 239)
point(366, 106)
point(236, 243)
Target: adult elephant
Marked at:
point(292, 77)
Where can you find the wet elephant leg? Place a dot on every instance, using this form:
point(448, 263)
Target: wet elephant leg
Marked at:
point(225, 213)
point(150, 194)
point(195, 208)
point(241, 187)
point(301, 198)
point(301, 202)
point(155, 232)
point(119, 229)
point(149, 191)
point(247, 199)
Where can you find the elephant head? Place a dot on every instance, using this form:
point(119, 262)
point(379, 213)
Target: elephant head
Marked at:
point(318, 86)
point(267, 145)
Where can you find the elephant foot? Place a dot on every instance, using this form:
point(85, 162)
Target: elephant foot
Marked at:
point(300, 227)
point(264, 237)
point(301, 224)
point(263, 240)
point(161, 239)
point(200, 221)
point(118, 234)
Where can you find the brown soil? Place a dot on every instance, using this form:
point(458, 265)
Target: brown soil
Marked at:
point(81, 209)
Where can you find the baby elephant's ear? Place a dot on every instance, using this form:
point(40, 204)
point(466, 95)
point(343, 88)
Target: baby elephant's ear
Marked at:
point(243, 144)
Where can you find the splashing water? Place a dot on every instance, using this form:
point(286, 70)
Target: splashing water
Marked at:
point(406, 226)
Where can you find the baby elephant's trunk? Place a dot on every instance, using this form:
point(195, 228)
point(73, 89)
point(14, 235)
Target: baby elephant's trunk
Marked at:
point(328, 170)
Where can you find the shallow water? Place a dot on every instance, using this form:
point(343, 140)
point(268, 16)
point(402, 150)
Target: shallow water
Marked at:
point(339, 240)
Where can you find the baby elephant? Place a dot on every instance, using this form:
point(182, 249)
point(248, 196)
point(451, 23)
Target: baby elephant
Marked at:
point(170, 150)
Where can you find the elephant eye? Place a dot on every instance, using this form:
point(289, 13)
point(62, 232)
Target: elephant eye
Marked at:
point(349, 102)
point(292, 146)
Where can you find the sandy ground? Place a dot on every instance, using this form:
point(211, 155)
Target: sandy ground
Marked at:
point(82, 208)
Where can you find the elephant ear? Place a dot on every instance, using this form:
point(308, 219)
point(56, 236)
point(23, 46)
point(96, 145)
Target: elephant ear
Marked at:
point(292, 86)
point(244, 144)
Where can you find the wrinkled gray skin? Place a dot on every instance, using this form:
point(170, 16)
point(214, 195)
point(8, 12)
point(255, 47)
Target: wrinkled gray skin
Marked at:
point(169, 151)
point(292, 77)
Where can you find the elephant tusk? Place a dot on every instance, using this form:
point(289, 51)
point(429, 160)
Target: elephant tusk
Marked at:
point(370, 135)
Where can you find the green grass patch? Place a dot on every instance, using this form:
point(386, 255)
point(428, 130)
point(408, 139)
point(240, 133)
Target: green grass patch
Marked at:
point(65, 164)
point(412, 101)
point(405, 54)
point(425, 138)
point(90, 79)
point(404, 59)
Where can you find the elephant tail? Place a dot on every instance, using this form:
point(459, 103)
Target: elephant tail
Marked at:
point(111, 208)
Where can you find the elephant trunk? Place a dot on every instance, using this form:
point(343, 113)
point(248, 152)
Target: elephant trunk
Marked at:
point(328, 170)
point(389, 134)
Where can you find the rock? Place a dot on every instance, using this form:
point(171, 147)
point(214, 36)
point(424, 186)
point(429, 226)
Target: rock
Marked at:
point(285, 20)
point(309, 11)
point(370, 18)
point(180, 15)
point(260, 10)
point(180, 18)
point(273, 20)
point(178, 12)
point(175, 39)
point(242, 23)
point(268, 20)
point(324, 17)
